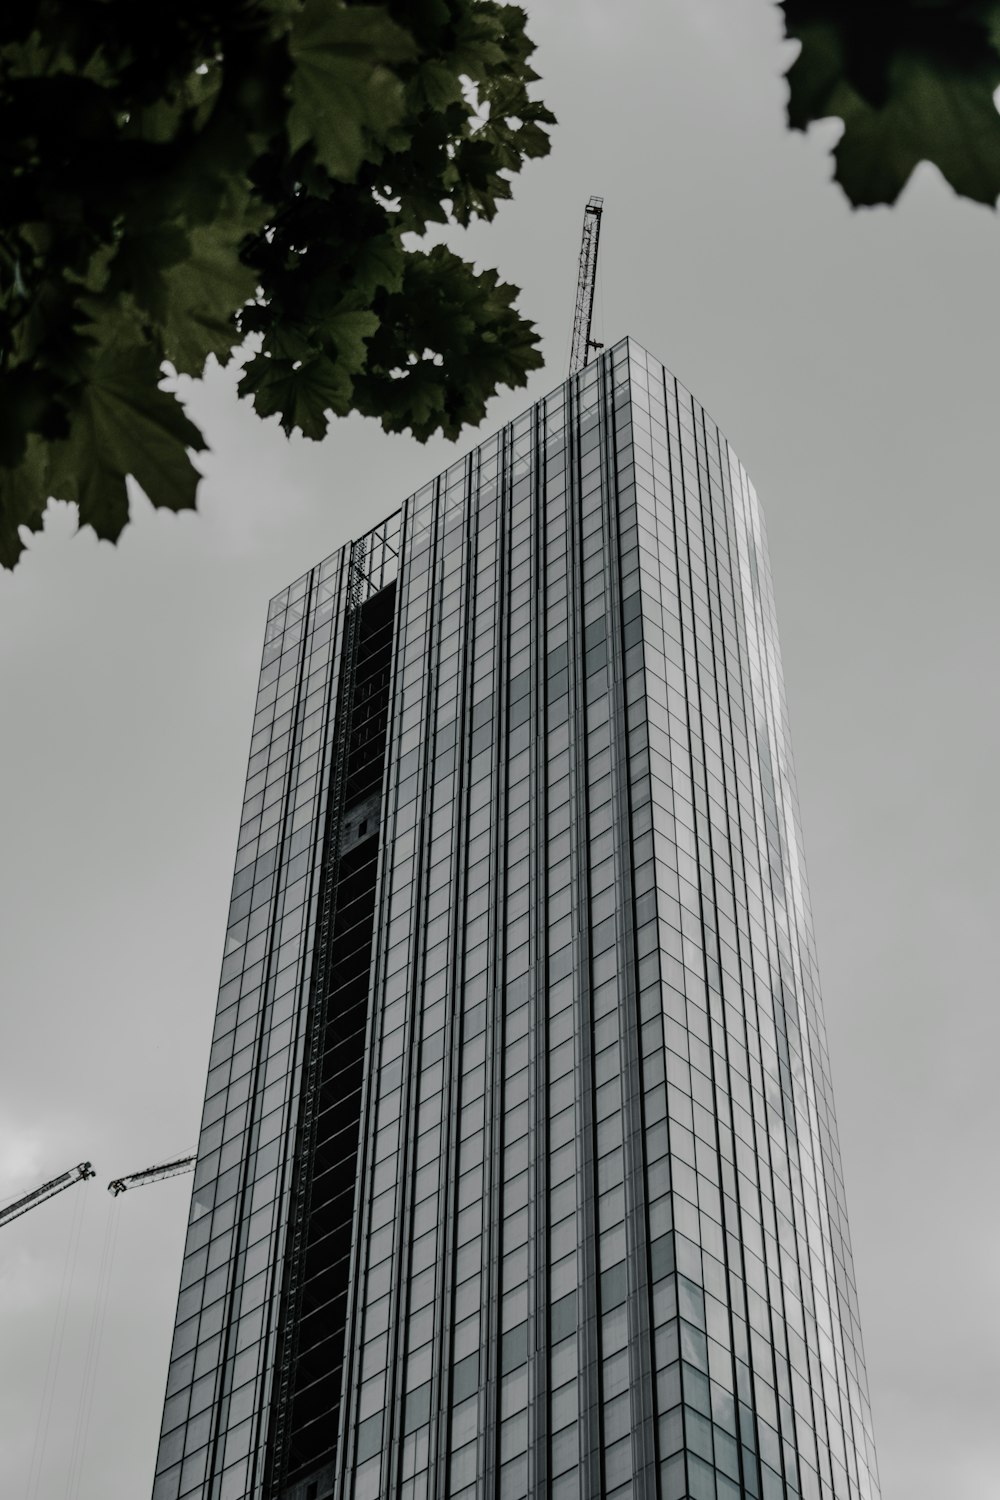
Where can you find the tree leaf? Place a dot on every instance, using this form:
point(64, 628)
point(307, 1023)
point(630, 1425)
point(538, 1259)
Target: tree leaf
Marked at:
point(140, 266)
point(913, 81)
point(204, 292)
point(439, 84)
point(190, 282)
point(950, 121)
point(379, 264)
point(255, 173)
point(345, 96)
point(125, 424)
point(349, 331)
point(23, 497)
point(300, 394)
point(445, 343)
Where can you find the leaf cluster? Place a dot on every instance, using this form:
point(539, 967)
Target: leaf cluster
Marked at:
point(913, 80)
point(176, 180)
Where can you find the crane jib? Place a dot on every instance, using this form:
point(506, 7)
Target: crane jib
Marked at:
point(585, 284)
point(14, 1210)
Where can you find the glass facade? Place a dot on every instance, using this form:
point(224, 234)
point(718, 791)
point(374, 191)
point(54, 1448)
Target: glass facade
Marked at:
point(519, 1172)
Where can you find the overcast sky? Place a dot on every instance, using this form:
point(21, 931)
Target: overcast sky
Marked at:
point(851, 359)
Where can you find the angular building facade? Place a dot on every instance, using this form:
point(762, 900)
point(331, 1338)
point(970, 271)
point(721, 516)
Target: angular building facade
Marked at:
point(518, 1173)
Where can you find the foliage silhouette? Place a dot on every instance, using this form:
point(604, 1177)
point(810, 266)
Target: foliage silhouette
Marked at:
point(176, 179)
point(912, 80)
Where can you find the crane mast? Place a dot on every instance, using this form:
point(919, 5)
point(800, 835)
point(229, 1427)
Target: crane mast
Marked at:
point(151, 1174)
point(585, 282)
point(59, 1184)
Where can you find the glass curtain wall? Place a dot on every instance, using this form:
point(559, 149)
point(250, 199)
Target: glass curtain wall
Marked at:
point(772, 1395)
point(599, 1245)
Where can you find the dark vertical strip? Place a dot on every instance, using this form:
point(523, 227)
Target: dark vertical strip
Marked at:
point(287, 1338)
point(369, 1097)
point(307, 1405)
point(259, 1456)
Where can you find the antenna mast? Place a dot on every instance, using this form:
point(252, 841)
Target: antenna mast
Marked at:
point(585, 282)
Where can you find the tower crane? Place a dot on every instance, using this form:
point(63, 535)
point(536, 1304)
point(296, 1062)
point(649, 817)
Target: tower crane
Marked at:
point(151, 1174)
point(585, 282)
point(59, 1184)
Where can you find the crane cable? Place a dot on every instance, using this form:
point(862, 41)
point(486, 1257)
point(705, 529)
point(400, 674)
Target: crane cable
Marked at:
point(92, 1356)
point(56, 1341)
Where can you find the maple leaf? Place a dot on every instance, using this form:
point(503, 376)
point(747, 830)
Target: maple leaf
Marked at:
point(346, 97)
point(124, 424)
point(173, 183)
point(24, 494)
point(912, 80)
point(204, 293)
point(299, 392)
point(447, 340)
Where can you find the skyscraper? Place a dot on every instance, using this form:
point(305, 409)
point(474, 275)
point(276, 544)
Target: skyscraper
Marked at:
point(518, 1172)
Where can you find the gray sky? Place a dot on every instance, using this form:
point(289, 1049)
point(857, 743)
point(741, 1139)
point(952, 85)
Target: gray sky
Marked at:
point(851, 359)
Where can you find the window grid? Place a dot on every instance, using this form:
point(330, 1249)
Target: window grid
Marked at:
point(600, 1242)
